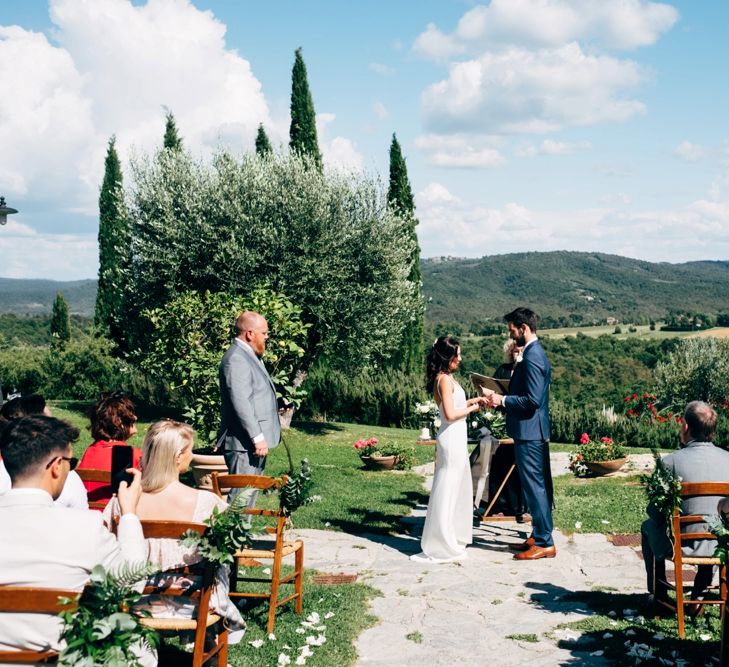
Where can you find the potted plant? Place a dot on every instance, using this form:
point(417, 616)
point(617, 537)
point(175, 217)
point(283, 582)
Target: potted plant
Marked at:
point(206, 461)
point(430, 419)
point(384, 456)
point(599, 457)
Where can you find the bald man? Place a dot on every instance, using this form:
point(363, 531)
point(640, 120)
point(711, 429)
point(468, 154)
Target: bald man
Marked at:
point(249, 423)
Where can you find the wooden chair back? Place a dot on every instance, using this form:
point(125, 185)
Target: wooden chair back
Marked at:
point(95, 475)
point(679, 522)
point(31, 600)
point(175, 530)
point(251, 556)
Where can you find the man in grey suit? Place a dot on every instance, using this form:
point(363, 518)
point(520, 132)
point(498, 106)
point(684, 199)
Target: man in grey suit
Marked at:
point(249, 423)
point(698, 460)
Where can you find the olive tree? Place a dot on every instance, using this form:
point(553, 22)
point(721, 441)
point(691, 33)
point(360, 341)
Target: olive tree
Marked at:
point(327, 241)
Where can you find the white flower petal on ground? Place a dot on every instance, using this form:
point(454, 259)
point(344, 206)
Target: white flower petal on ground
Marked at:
point(705, 637)
point(256, 643)
point(630, 632)
point(628, 612)
point(607, 635)
point(306, 650)
point(607, 523)
point(313, 617)
point(597, 653)
point(659, 636)
point(272, 637)
point(283, 659)
point(301, 660)
point(266, 570)
point(320, 628)
point(300, 631)
point(329, 614)
point(612, 614)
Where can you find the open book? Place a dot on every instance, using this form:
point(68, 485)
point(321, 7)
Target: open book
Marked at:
point(483, 382)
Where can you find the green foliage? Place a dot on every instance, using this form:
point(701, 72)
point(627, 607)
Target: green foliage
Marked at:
point(226, 533)
point(493, 421)
point(409, 354)
point(302, 132)
point(34, 297)
point(60, 323)
point(114, 244)
point(569, 288)
point(104, 630)
point(384, 397)
point(172, 140)
point(35, 330)
point(594, 451)
point(297, 490)
point(193, 330)
point(697, 369)
point(82, 370)
point(719, 525)
point(663, 489)
point(330, 244)
point(263, 145)
point(21, 368)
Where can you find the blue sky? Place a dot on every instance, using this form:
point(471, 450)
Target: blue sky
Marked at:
point(596, 125)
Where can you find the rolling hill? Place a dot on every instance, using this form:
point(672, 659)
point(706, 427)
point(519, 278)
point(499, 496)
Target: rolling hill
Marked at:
point(583, 287)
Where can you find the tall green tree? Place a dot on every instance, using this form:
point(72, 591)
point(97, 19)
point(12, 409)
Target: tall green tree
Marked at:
point(172, 139)
point(263, 145)
point(60, 323)
point(114, 248)
point(409, 354)
point(302, 134)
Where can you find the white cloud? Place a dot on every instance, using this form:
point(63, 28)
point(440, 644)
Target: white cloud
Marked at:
point(460, 151)
point(623, 24)
point(116, 66)
point(379, 110)
point(688, 151)
point(25, 253)
point(338, 152)
point(381, 69)
point(518, 90)
point(451, 226)
point(552, 147)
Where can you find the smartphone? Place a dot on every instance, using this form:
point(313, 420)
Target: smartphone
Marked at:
point(121, 459)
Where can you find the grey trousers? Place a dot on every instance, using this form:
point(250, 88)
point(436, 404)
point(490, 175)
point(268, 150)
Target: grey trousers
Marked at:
point(244, 462)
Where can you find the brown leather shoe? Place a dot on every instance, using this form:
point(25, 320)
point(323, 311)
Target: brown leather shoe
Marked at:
point(534, 552)
point(523, 546)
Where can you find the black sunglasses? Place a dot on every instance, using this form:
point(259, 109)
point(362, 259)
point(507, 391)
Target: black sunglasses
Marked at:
point(72, 461)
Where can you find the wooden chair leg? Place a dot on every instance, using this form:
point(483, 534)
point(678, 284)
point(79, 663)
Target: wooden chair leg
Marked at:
point(223, 640)
point(678, 575)
point(273, 599)
point(299, 580)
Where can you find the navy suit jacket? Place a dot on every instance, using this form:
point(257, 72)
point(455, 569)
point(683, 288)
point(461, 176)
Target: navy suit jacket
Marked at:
point(527, 403)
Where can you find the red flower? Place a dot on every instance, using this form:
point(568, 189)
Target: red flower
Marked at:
point(606, 440)
point(634, 396)
point(584, 439)
point(626, 399)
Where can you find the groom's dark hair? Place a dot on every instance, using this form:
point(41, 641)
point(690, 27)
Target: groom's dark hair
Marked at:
point(520, 316)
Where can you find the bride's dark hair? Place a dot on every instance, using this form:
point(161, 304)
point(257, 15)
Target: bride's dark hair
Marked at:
point(439, 359)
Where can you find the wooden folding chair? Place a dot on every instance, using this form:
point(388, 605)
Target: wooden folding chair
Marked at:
point(27, 600)
point(95, 475)
point(205, 619)
point(679, 521)
point(273, 548)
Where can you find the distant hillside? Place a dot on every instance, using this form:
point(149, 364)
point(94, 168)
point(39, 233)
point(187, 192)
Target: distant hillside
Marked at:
point(582, 287)
point(35, 297)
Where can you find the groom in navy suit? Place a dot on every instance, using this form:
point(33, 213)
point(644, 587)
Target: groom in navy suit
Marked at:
point(527, 421)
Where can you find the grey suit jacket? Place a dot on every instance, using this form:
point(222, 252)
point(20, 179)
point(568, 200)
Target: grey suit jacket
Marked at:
point(247, 401)
point(699, 462)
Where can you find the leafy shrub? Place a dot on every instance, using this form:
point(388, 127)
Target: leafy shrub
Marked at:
point(82, 369)
point(21, 369)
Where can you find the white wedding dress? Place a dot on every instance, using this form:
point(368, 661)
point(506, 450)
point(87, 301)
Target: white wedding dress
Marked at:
point(448, 522)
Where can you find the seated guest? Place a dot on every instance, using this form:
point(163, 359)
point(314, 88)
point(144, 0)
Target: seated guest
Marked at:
point(698, 460)
point(47, 547)
point(166, 453)
point(74, 493)
point(113, 422)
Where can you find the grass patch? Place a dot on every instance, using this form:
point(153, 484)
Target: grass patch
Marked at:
point(639, 629)
point(524, 637)
point(619, 500)
point(416, 637)
point(497, 601)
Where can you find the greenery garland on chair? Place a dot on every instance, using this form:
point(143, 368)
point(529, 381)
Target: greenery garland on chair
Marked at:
point(227, 532)
point(663, 490)
point(103, 630)
point(719, 525)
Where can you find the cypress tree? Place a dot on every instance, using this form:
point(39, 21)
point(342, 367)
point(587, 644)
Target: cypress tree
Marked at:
point(172, 139)
point(409, 355)
point(114, 242)
point(263, 145)
point(302, 134)
point(60, 324)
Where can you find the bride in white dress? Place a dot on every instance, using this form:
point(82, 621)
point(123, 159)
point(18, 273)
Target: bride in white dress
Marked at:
point(448, 522)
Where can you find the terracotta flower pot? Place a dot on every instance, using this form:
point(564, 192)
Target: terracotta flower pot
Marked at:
point(203, 465)
point(379, 462)
point(605, 467)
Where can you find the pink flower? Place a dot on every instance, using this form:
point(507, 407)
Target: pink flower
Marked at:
point(584, 439)
point(607, 441)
